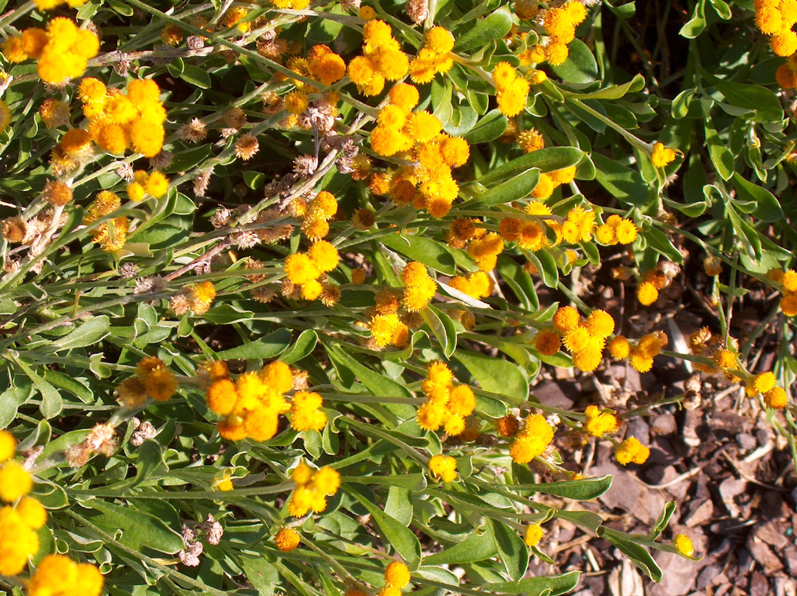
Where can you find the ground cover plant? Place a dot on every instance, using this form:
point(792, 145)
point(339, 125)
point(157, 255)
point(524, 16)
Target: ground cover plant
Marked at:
point(282, 282)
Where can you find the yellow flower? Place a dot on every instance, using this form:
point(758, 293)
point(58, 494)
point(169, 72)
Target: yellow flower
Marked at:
point(631, 450)
point(18, 542)
point(547, 342)
point(776, 398)
point(287, 540)
point(157, 184)
point(8, 445)
point(640, 361)
point(300, 268)
point(146, 137)
point(58, 574)
point(161, 384)
point(683, 544)
point(599, 423)
point(600, 323)
point(619, 347)
point(15, 482)
point(397, 573)
point(512, 99)
point(788, 304)
point(556, 53)
point(404, 96)
point(439, 40)
point(661, 155)
point(533, 535)
point(221, 396)
point(647, 293)
point(327, 481)
point(566, 318)
point(32, 512)
point(443, 467)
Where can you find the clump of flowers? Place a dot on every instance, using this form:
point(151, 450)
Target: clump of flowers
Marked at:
point(196, 298)
point(599, 423)
point(654, 280)
point(61, 575)
point(306, 413)
point(476, 285)
point(250, 406)
point(788, 287)
point(382, 59)
point(532, 440)
point(153, 379)
point(434, 57)
point(155, 185)
point(560, 26)
point(775, 18)
point(683, 544)
point(662, 156)
point(631, 451)
point(764, 384)
point(386, 326)
point(484, 250)
point(419, 288)
point(418, 136)
point(584, 339)
point(312, 489)
point(62, 50)
point(110, 235)
point(511, 89)
point(447, 405)
point(304, 269)
point(121, 121)
point(642, 353)
point(443, 467)
point(616, 230)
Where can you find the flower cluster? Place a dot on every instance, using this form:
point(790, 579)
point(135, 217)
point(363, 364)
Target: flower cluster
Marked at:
point(387, 328)
point(51, 4)
point(305, 269)
point(418, 137)
point(786, 74)
point(641, 354)
point(325, 65)
point(120, 121)
point(306, 413)
point(443, 467)
point(631, 451)
point(250, 406)
point(584, 339)
point(533, 535)
point(652, 281)
point(447, 405)
point(154, 379)
point(434, 57)
point(315, 214)
point(511, 89)
point(775, 18)
point(616, 230)
point(397, 577)
point(599, 423)
point(484, 250)
point(62, 50)
point(764, 384)
point(382, 59)
point(312, 489)
point(788, 287)
point(532, 440)
point(110, 235)
point(18, 524)
point(58, 574)
point(476, 285)
point(155, 185)
point(194, 297)
point(419, 288)
point(662, 156)
point(560, 26)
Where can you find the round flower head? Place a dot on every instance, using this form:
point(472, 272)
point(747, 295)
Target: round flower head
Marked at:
point(161, 384)
point(662, 155)
point(324, 256)
point(404, 96)
point(647, 293)
point(443, 467)
point(683, 544)
point(631, 450)
point(397, 574)
point(507, 426)
point(566, 318)
point(533, 535)
point(600, 323)
point(8, 445)
point(32, 512)
point(776, 398)
point(300, 268)
point(221, 396)
point(287, 540)
point(439, 40)
point(619, 347)
point(326, 481)
point(547, 342)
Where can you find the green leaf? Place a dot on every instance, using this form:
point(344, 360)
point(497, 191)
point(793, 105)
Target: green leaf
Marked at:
point(495, 26)
point(51, 404)
point(767, 206)
point(511, 549)
point(664, 519)
point(138, 529)
point(431, 253)
point(697, 23)
point(585, 489)
point(87, 334)
point(304, 346)
point(580, 66)
point(263, 576)
point(513, 189)
point(548, 159)
point(546, 265)
point(757, 98)
point(268, 346)
point(638, 555)
point(624, 183)
point(396, 534)
point(680, 105)
point(399, 504)
point(489, 128)
point(720, 155)
point(660, 242)
point(196, 76)
point(495, 375)
point(537, 586)
point(612, 91)
point(519, 281)
point(442, 327)
point(478, 546)
point(10, 400)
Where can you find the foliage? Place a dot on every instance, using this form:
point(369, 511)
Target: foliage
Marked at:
point(279, 277)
